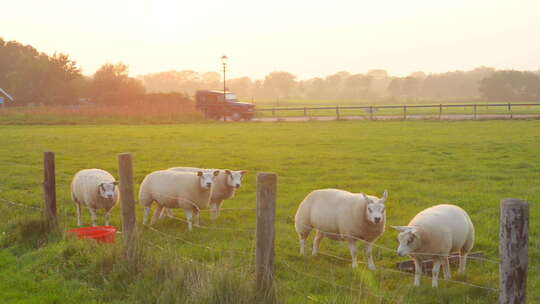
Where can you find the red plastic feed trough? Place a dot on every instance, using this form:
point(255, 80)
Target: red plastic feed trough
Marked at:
point(102, 234)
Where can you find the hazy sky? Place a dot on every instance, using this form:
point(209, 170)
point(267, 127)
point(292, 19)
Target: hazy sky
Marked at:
point(307, 38)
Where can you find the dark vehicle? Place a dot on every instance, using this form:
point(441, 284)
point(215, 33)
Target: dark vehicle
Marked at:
point(214, 106)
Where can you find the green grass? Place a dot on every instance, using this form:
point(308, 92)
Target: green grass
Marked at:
point(472, 164)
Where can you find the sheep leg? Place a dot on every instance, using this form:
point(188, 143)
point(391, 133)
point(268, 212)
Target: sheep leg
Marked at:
point(189, 216)
point(93, 212)
point(107, 216)
point(163, 213)
point(302, 245)
point(196, 218)
point(417, 271)
point(352, 248)
point(79, 214)
point(317, 242)
point(446, 268)
point(371, 265)
point(215, 211)
point(435, 273)
point(462, 262)
point(147, 211)
point(157, 213)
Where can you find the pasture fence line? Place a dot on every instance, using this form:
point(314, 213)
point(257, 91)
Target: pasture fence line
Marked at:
point(49, 187)
point(371, 109)
point(514, 235)
point(125, 168)
point(513, 232)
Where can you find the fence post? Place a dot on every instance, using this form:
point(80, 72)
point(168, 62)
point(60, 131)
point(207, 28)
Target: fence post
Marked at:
point(404, 112)
point(510, 110)
point(266, 213)
point(370, 112)
point(440, 111)
point(305, 111)
point(273, 111)
point(475, 111)
point(125, 169)
point(49, 187)
point(337, 112)
point(514, 236)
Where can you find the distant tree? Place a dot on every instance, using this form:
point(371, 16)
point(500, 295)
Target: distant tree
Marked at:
point(112, 85)
point(511, 86)
point(411, 86)
point(357, 86)
point(419, 75)
point(34, 77)
point(377, 73)
point(394, 88)
point(279, 84)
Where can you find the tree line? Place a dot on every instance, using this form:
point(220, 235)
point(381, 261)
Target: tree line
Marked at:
point(34, 77)
point(482, 83)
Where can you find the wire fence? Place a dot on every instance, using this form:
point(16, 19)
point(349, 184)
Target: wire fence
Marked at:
point(284, 262)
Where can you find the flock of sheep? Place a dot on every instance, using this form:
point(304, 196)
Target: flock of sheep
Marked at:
point(434, 233)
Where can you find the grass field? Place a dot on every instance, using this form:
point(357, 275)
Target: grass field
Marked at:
point(471, 164)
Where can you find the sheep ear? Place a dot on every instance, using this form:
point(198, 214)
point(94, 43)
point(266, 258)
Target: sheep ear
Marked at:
point(401, 228)
point(115, 183)
point(216, 173)
point(366, 198)
point(385, 197)
point(228, 172)
point(243, 172)
point(199, 173)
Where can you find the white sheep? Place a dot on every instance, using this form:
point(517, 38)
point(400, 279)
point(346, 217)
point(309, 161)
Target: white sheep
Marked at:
point(96, 189)
point(224, 188)
point(434, 233)
point(190, 191)
point(341, 215)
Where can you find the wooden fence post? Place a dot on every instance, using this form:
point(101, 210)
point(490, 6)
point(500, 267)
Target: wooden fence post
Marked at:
point(370, 112)
point(475, 111)
point(514, 237)
point(125, 169)
point(404, 112)
point(305, 111)
point(510, 110)
point(49, 187)
point(266, 214)
point(440, 111)
point(337, 112)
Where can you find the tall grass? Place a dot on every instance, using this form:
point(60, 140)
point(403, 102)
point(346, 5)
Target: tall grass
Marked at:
point(138, 113)
point(150, 274)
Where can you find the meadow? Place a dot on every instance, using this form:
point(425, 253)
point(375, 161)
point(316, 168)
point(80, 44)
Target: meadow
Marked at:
point(472, 164)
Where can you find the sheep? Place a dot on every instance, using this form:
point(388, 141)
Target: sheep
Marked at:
point(96, 189)
point(344, 216)
point(225, 187)
point(190, 191)
point(434, 233)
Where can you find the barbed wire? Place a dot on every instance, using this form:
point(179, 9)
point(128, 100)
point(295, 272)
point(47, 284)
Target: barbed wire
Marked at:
point(288, 266)
point(198, 245)
point(20, 205)
point(214, 228)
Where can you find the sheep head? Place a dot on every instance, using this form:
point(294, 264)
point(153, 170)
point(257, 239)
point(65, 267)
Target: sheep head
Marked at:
point(409, 239)
point(207, 179)
point(234, 178)
point(375, 208)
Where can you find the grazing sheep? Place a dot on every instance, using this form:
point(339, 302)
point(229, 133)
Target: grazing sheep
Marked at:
point(225, 187)
point(190, 191)
point(341, 215)
point(96, 189)
point(433, 234)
